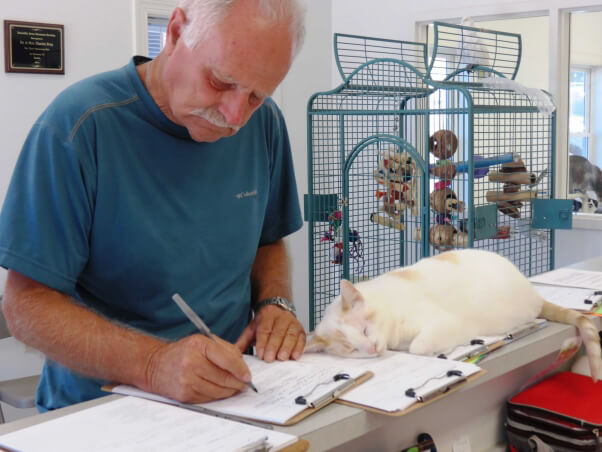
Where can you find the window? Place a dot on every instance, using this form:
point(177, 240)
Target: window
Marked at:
point(152, 17)
point(585, 112)
point(157, 29)
point(579, 111)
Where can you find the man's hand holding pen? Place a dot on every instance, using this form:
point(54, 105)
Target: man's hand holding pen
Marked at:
point(196, 369)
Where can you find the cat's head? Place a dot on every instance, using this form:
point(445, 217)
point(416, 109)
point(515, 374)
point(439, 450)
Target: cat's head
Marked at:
point(348, 327)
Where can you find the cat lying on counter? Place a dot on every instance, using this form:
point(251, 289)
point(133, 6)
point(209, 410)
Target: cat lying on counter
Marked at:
point(437, 304)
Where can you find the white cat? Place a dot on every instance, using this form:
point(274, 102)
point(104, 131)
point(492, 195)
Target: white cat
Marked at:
point(437, 304)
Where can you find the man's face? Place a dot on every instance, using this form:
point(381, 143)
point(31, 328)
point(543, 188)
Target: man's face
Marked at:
point(213, 89)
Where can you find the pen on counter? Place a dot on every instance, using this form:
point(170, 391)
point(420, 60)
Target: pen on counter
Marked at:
point(196, 320)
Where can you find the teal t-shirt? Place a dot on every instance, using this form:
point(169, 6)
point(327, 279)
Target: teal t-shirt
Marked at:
point(113, 204)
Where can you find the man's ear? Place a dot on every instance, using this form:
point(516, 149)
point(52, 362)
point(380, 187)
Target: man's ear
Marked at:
point(175, 27)
point(350, 296)
point(315, 344)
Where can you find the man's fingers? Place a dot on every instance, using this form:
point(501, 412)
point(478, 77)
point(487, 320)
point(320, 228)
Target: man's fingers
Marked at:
point(228, 357)
point(262, 334)
point(299, 346)
point(246, 337)
point(206, 391)
point(289, 342)
point(275, 340)
point(223, 383)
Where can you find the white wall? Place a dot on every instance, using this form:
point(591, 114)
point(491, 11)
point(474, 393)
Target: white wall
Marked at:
point(310, 73)
point(98, 37)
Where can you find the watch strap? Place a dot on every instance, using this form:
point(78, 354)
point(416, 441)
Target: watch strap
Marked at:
point(281, 302)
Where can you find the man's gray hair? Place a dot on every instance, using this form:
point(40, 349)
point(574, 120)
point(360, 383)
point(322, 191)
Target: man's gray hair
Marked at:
point(203, 15)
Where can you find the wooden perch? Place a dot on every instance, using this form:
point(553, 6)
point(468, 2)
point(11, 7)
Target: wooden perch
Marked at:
point(387, 221)
point(516, 178)
point(527, 195)
point(517, 166)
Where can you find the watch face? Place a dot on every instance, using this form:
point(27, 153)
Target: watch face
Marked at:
point(284, 303)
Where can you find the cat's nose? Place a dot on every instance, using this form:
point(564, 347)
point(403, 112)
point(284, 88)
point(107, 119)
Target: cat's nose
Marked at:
point(372, 350)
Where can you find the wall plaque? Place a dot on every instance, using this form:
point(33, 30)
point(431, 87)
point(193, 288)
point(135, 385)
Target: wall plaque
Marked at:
point(33, 47)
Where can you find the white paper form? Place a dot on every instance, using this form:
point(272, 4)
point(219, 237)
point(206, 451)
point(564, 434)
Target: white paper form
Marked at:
point(131, 424)
point(569, 277)
point(279, 384)
point(394, 373)
point(569, 297)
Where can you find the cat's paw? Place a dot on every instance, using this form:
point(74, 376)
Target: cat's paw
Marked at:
point(423, 345)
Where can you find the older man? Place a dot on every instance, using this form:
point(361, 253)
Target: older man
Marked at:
point(171, 175)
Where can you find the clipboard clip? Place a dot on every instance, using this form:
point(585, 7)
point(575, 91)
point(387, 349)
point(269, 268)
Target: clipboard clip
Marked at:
point(261, 445)
point(428, 395)
point(321, 401)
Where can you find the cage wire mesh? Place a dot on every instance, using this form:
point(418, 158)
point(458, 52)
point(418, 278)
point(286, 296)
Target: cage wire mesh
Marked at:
point(402, 166)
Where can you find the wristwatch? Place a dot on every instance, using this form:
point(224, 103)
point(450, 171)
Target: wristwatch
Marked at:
point(278, 301)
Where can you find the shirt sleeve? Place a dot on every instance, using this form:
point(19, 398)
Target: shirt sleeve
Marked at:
point(283, 213)
point(47, 212)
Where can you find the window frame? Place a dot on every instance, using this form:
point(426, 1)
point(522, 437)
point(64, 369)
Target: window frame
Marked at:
point(588, 102)
point(144, 9)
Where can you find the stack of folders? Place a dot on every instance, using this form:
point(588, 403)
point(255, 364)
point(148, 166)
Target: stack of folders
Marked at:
point(133, 424)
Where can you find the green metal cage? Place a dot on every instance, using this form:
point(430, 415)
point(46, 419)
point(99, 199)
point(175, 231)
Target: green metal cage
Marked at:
point(407, 159)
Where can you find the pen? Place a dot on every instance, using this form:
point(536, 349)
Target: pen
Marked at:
point(196, 320)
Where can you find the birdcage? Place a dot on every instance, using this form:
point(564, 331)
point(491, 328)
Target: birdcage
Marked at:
point(409, 158)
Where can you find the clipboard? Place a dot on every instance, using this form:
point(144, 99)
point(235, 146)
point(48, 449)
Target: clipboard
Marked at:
point(301, 445)
point(480, 347)
point(138, 424)
point(441, 392)
point(397, 372)
point(278, 402)
point(580, 299)
point(477, 348)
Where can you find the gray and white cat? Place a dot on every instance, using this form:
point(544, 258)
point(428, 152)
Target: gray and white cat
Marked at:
point(437, 304)
point(584, 176)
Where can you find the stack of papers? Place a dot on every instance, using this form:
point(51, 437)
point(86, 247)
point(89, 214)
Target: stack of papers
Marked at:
point(131, 424)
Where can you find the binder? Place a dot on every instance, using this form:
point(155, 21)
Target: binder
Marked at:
point(289, 391)
point(137, 425)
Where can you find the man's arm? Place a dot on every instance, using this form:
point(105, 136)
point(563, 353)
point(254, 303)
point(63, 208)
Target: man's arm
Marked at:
point(194, 369)
point(277, 333)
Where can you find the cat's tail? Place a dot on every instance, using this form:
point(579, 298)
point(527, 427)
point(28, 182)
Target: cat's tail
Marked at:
point(587, 329)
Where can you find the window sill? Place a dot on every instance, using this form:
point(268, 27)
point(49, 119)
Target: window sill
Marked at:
point(587, 221)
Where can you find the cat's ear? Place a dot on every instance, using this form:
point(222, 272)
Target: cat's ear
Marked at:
point(350, 296)
point(315, 344)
